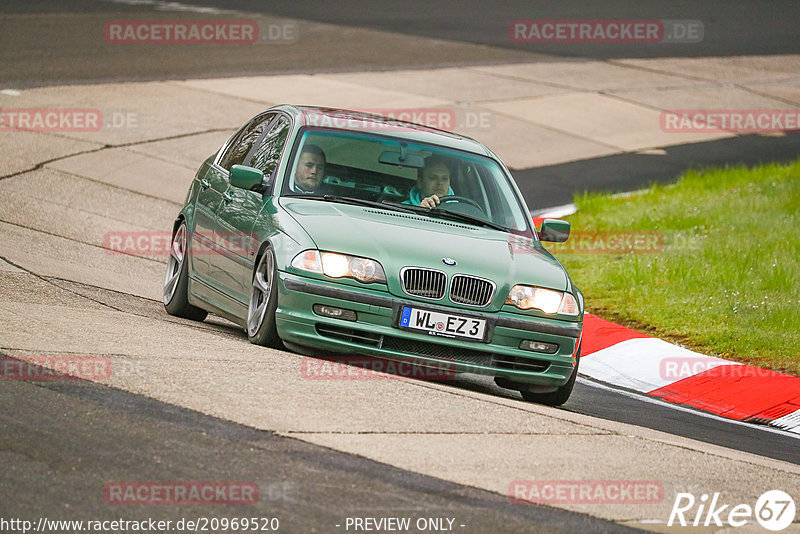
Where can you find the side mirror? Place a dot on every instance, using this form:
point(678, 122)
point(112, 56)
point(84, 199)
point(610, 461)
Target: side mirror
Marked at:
point(246, 178)
point(554, 231)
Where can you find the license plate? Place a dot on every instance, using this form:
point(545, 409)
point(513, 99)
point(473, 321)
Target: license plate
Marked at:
point(442, 324)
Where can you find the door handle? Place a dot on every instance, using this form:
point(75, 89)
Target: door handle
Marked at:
point(205, 184)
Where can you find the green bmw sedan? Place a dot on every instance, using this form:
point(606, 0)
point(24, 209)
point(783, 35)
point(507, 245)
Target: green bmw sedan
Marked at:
point(320, 229)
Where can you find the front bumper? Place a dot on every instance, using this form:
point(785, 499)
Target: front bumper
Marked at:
point(375, 333)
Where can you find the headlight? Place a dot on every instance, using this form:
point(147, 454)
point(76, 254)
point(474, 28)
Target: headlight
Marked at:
point(340, 266)
point(547, 300)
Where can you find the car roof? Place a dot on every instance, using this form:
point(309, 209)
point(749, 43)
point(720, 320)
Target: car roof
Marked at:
point(381, 124)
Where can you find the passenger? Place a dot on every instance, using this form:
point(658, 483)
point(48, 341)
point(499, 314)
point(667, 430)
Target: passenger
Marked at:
point(310, 170)
point(433, 182)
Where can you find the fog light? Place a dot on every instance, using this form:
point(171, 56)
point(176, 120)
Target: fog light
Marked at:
point(538, 346)
point(336, 313)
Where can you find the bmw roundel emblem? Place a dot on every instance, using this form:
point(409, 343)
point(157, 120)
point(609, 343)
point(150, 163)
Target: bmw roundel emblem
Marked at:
point(449, 261)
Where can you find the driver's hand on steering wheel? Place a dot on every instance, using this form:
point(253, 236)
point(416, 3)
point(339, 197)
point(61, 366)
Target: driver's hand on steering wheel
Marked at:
point(429, 202)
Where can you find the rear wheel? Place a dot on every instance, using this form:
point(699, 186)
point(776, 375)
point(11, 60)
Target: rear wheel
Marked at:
point(261, 328)
point(176, 281)
point(559, 396)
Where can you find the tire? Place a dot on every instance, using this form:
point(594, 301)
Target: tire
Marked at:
point(559, 396)
point(261, 328)
point(176, 280)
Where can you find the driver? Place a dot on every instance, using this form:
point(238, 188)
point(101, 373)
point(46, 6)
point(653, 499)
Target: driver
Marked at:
point(310, 170)
point(433, 182)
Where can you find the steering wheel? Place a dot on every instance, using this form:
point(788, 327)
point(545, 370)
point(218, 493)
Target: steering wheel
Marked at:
point(455, 198)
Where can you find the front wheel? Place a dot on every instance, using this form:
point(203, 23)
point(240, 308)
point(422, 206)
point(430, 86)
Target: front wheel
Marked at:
point(261, 328)
point(559, 396)
point(176, 281)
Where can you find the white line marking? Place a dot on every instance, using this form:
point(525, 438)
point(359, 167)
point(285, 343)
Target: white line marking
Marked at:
point(161, 5)
point(628, 194)
point(556, 211)
point(646, 364)
point(789, 422)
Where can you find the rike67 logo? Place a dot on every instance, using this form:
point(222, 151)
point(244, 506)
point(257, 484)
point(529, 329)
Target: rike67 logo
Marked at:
point(774, 510)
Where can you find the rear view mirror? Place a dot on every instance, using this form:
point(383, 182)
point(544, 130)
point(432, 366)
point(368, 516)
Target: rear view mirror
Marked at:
point(245, 177)
point(554, 231)
point(397, 158)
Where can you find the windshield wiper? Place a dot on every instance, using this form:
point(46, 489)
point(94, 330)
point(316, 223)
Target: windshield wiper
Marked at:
point(410, 208)
point(355, 201)
point(407, 208)
point(447, 214)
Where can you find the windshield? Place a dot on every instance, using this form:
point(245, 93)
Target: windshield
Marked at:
point(343, 166)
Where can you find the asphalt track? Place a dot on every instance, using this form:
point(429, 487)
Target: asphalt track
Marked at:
point(80, 434)
point(57, 41)
point(555, 185)
point(115, 435)
point(731, 28)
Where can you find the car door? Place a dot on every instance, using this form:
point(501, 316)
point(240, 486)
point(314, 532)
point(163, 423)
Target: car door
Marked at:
point(212, 197)
point(212, 185)
point(239, 210)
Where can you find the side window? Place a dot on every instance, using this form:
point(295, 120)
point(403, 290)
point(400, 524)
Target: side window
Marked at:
point(268, 153)
point(244, 141)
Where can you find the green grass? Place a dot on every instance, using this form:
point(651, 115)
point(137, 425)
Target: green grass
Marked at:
point(727, 280)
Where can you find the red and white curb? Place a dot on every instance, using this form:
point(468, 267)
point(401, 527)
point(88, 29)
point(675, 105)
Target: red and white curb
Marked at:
point(628, 359)
point(625, 358)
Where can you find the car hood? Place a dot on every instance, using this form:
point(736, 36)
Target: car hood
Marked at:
point(398, 240)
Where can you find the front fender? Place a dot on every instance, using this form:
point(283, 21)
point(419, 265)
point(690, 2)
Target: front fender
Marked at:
point(282, 232)
point(186, 214)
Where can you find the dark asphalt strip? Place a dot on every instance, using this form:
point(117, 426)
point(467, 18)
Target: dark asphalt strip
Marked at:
point(730, 27)
point(601, 400)
point(65, 440)
point(555, 185)
point(604, 401)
